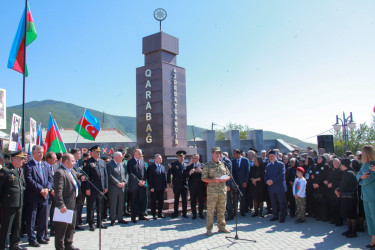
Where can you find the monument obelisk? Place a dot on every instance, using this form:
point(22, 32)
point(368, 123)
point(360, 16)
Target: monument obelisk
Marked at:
point(161, 99)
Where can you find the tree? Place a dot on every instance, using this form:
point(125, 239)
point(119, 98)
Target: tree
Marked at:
point(220, 134)
point(357, 138)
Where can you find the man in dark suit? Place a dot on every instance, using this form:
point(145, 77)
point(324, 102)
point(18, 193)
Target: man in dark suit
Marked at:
point(117, 179)
point(96, 170)
point(157, 181)
point(11, 201)
point(177, 169)
point(240, 172)
point(76, 152)
point(67, 194)
point(50, 162)
point(229, 206)
point(137, 180)
point(197, 187)
point(38, 180)
point(275, 179)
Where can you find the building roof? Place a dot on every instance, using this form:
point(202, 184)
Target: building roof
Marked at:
point(108, 135)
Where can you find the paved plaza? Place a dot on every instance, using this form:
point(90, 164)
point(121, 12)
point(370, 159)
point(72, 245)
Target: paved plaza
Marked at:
point(181, 233)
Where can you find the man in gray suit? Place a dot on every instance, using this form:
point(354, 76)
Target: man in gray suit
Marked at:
point(67, 193)
point(117, 179)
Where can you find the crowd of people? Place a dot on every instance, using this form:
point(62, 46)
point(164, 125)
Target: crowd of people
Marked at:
point(312, 184)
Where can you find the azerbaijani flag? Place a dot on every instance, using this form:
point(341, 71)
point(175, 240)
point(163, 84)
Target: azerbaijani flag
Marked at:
point(16, 58)
point(88, 127)
point(52, 143)
point(39, 135)
point(62, 145)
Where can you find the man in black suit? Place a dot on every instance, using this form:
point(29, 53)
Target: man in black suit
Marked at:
point(38, 180)
point(117, 179)
point(67, 193)
point(96, 170)
point(11, 201)
point(177, 169)
point(197, 187)
point(137, 180)
point(50, 162)
point(157, 181)
point(240, 172)
point(76, 152)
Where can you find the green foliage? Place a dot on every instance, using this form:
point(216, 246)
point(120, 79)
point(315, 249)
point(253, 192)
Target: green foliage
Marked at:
point(220, 133)
point(357, 138)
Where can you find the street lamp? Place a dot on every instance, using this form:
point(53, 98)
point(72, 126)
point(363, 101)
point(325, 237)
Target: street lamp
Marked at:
point(346, 122)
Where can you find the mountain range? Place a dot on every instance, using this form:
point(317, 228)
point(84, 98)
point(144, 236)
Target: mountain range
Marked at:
point(67, 115)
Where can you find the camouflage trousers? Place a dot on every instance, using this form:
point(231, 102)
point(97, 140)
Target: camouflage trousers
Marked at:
point(301, 208)
point(218, 202)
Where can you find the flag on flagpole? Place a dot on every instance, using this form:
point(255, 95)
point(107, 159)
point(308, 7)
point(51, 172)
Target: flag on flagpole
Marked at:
point(39, 135)
point(88, 126)
point(62, 145)
point(16, 57)
point(52, 142)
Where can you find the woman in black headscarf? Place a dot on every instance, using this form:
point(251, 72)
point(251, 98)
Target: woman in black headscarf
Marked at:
point(256, 176)
point(349, 198)
point(334, 202)
point(309, 175)
point(320, 189)
point(291, 175)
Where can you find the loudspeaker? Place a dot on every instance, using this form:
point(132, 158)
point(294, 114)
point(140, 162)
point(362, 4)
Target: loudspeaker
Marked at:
point(326, 142)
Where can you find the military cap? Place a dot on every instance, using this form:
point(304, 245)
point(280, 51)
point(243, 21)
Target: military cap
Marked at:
point(95, 148)
point(253, 149)
point(272, 152)
point(18, 153)
point(215, 149)
point(181, 153)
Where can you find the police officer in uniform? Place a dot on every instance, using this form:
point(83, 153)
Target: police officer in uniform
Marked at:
point(97, 171)
point(11, 199)
point(177, 170)
point(213, 173)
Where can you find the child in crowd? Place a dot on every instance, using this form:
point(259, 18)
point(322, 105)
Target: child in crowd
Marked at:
point(299, 192)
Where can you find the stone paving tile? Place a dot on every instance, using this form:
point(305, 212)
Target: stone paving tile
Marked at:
point(182, 233)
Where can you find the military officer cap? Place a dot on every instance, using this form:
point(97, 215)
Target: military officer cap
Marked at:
point(181, 153)
point(18, 153)
point(95, 148)
point(215, 149)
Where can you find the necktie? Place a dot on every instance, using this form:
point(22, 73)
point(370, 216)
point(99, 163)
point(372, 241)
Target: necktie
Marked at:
point(238, 162)
point(40, 171)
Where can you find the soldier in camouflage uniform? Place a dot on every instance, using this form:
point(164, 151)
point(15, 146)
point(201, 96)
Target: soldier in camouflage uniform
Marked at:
point(216, 191)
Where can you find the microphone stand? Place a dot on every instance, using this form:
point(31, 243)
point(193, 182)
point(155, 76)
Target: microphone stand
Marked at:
point(100, 196)
point(237, 192)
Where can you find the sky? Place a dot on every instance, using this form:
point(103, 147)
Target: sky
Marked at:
point(285, 66)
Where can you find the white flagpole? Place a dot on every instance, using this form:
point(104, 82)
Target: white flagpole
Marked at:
point(79, 131)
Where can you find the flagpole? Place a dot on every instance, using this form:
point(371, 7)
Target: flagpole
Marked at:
point(79, 131)
point(24, 80)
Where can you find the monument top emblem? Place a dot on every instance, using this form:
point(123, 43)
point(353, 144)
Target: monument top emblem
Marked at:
point(160, 15)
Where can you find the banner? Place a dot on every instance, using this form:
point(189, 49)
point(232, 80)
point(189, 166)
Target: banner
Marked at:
point(14, 132)
point(3, 109)
point(33, 132)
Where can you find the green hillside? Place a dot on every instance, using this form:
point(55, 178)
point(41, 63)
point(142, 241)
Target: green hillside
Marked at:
point(67, 116)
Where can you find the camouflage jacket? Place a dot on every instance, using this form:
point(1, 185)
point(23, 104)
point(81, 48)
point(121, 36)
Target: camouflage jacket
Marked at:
point(214, 170)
